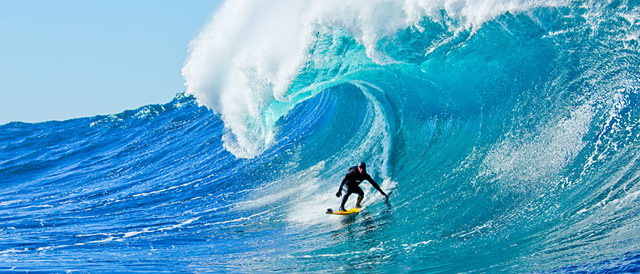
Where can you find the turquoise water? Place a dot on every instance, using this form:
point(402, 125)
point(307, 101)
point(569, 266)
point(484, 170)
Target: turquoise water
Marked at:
point(506, 134)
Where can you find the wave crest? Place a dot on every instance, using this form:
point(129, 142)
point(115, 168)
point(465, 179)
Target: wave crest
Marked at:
point(255, 60)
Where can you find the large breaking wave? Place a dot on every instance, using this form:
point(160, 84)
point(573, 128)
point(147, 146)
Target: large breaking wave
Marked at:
point(506, 132)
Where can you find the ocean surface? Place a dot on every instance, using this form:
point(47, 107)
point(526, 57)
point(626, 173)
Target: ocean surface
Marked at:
point(506, 132)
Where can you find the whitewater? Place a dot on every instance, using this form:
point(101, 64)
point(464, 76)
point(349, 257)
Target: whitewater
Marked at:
point(506, 133)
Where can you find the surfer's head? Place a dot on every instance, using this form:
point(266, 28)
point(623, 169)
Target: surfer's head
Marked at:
point(362, 167)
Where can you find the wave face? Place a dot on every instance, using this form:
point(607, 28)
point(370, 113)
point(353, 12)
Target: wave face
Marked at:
point(507, 134)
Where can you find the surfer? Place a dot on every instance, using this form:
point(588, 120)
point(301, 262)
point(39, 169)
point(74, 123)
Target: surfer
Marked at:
point(354, 177)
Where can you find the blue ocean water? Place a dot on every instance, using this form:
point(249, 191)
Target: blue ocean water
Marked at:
point(507, 134)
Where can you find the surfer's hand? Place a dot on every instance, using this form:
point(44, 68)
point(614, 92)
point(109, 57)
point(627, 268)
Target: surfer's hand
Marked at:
point(386, 197)
point(339, 194)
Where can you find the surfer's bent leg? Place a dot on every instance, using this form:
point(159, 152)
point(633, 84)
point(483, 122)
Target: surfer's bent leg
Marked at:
point(344, 199)
point(360, 193)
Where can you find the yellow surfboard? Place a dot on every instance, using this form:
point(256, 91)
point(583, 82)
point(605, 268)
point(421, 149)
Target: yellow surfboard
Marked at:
point(340, 212)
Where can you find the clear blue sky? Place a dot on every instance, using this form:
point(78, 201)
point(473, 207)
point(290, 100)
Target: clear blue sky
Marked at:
point(62, 59)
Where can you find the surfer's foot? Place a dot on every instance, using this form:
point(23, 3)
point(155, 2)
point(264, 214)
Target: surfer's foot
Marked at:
point(342, 209)
point(358, 206)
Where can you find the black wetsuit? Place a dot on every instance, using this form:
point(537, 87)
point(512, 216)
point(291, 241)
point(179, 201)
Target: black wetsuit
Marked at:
point(352, 181)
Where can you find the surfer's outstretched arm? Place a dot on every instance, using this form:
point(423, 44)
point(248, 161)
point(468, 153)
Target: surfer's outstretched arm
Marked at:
point(376, 186)
point(339, 193)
